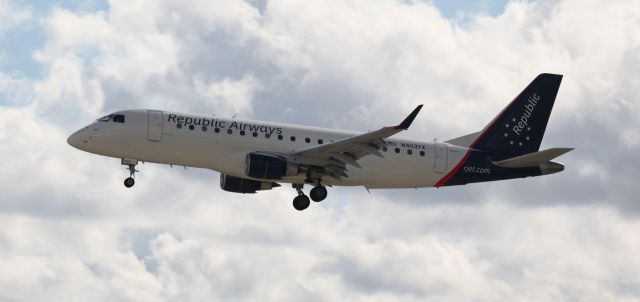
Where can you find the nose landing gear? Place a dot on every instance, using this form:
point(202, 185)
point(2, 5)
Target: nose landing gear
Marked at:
point(130, 181)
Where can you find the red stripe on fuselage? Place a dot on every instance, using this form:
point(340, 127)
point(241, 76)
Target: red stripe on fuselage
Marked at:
point(443, 181)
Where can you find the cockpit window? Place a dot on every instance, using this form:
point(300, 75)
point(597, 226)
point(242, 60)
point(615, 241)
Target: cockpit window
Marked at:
point(118, 118)
point(105, 118)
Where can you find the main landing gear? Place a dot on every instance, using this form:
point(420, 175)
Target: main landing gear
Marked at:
point(301, 201)
point(317, 194)
point(130, 181)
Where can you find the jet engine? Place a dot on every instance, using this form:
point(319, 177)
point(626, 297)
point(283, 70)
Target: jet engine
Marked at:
point(267, 166)
point(243, 185)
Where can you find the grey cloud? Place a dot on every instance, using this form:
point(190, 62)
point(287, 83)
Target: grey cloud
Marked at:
point(71, 232)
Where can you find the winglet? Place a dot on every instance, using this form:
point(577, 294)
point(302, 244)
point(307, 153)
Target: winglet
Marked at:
point(407, 121)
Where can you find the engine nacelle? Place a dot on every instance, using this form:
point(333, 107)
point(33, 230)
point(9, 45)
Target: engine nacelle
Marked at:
point(243, 185)
point(267, 166)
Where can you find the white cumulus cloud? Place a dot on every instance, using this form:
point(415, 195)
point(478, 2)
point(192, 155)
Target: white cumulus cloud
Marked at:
point(12, 15)
point(72, 232)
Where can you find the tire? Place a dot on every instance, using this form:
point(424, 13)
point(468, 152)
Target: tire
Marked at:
point(318, 193)
point(129, 182)
point(301, 202)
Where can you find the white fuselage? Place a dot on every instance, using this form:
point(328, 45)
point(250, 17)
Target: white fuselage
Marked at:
point(154, 136)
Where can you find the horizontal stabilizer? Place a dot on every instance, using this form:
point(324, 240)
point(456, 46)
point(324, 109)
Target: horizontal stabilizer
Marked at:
point(464, 141)
point(532, 159)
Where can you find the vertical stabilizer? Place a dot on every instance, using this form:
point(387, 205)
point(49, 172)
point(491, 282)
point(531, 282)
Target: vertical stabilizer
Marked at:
point(519, 128)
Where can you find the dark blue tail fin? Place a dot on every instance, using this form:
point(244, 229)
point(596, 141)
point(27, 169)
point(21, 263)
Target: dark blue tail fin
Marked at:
point(519, 128)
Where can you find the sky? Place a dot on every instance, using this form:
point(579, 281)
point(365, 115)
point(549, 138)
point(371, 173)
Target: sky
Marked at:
point(72, 232)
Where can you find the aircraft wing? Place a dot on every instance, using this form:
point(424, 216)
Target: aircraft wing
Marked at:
point(334, 156)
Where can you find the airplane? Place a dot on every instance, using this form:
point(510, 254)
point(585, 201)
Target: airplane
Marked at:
point(253, 156)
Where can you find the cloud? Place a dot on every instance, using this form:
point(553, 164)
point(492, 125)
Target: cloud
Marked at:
point(12, 15)
point(72, 232)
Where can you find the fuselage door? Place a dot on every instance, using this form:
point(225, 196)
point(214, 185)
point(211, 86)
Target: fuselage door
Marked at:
point(441, 157)
point(154, 133)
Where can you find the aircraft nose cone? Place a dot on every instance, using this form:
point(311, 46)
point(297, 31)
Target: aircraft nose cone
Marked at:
point(75, 139)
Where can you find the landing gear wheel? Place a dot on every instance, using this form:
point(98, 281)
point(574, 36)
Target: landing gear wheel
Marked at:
point(301, 202)
point(129, 182)
point(318, 193)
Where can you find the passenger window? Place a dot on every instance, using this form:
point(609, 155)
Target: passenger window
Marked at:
point(279, 137)
point(320, 142)
point(191, 127)
point(397, 150)
point(229, 131)
point(179, 126)
point(242, 132)
point(204, 128)
point(267, 135)
point(384, 149)
point(216, 130)
point(307, 140)
point(409, 151)
point(118, 118)
point(421, 153)
point(293, 138)
point(255, 134)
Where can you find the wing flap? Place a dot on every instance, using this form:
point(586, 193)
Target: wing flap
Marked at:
point(346, 159)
